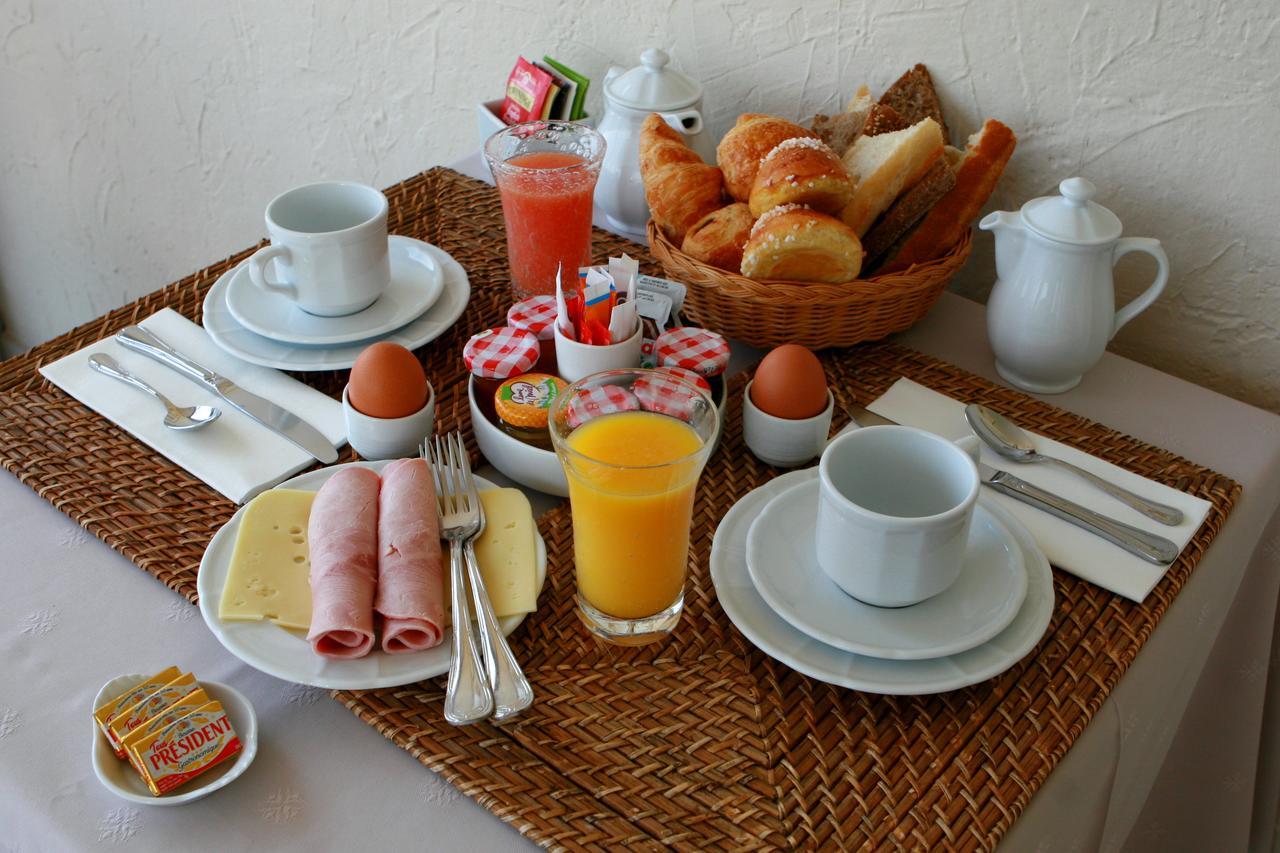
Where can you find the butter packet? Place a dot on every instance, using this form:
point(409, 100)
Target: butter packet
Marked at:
point(155, 702)
point(192, 701)
point(193, 745)
point(104, 712)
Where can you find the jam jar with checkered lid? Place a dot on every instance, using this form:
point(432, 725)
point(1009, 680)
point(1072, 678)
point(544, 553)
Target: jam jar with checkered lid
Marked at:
point(537, 315)
point(494, 356)
point(689, 350)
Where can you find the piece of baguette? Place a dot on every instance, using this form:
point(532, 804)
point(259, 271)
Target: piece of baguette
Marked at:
point(985, 157)
point(884, 165)
point(908, 209)
point(915, 98)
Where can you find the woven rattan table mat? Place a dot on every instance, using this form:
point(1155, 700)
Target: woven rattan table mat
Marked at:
point(698, 741)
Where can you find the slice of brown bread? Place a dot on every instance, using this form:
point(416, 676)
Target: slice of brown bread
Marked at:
point(883, 119)
point(908, 209)
point(914, 97)
point(841, 130)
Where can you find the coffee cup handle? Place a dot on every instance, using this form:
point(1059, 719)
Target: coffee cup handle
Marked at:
point(970, 445)
point(258, 271)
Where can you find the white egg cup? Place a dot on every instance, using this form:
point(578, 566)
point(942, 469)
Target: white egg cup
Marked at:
point(576, 360)
point(784, 442)
point(389, 438)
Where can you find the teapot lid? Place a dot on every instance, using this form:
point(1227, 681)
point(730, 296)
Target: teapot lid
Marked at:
point(1072, 217)
point(652, 86)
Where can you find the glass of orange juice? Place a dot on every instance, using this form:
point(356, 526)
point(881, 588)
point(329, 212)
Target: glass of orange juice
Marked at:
point(633, 444)
point(546, 172)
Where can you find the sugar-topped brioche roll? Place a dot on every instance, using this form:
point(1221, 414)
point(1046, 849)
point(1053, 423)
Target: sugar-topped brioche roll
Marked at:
point(719, 237)
point(804, 171)
point(679, 187)
point(793, 243)
point(741, 149)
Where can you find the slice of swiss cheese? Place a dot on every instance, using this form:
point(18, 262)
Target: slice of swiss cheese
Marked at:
point(506, 554)
point(268, 578)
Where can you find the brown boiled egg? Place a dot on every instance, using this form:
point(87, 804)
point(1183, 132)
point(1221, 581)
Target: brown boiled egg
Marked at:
point(790, 384)
point(387, 381)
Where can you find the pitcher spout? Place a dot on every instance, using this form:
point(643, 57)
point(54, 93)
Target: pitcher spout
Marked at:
point(1009, 239)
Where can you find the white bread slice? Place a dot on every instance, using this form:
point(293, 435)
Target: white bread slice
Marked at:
point(861, 102)
point(883, 165)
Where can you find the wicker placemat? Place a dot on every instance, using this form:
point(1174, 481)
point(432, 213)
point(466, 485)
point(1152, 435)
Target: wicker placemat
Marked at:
point(698, 741)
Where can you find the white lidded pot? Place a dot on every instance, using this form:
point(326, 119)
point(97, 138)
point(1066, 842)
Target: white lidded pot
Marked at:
point(1053, 308)
point(629, 96)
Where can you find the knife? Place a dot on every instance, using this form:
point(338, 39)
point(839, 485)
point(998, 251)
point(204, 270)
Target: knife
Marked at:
point(1148, 546)
point(273, 417)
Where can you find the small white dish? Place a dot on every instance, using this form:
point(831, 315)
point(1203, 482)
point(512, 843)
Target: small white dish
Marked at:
point(249, 346)
point(575, 360)
point(981, 603)
point(286, 654)
point(416, 283)
point(528, 465)
point(774, 636)
point(389, 438)
point(784, 442)
point(119, 777)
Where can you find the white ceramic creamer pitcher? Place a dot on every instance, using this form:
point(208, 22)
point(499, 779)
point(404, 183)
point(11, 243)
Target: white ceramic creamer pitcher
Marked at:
point(629, 96)
point(1053, 308)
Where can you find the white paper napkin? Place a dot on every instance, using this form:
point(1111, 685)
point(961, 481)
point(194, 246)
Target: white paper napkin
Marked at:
point(235, 455)
point(1067, 547)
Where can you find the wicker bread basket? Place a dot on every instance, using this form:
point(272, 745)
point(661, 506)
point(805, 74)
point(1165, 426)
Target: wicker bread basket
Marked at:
point(769, 313)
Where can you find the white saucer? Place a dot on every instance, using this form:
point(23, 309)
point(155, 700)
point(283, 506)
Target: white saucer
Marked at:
point(119, 777)
point(249, 346)
point(778, 639)
point(286, 654)
point(416, 283)
point(784, 567)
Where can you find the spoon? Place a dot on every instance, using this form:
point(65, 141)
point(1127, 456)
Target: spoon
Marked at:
point(177, 417)
point(1006, 438)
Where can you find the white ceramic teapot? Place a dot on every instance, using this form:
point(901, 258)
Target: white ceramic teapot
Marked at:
point(1053, 308)
point(629, 96)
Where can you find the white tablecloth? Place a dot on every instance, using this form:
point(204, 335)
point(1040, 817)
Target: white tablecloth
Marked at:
point(1170, 760)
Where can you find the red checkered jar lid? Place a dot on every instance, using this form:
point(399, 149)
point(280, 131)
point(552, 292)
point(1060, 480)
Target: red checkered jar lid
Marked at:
point(699, 350)
point(663, 393)
point(500, 353)
point(688, 376)
point(537, 314)
point(590, 403)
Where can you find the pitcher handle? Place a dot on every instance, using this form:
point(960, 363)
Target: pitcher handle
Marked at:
point(1151, 247)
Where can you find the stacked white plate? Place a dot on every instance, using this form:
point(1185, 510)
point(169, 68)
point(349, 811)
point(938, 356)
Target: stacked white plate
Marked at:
point(427, 293)
point(764, 567)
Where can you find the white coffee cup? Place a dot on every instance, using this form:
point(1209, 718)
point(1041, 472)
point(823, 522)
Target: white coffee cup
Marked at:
point(329, 247)
point(894, 509)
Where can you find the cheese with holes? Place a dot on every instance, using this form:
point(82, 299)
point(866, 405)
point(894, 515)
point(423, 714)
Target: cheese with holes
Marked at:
point(270, 565)
point(506, 552)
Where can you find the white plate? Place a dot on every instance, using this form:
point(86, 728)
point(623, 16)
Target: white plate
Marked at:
point(416, 283)
point(286, 654)
point(773, 636)
point(784, 567)
point(119, 777)
point(255, 349)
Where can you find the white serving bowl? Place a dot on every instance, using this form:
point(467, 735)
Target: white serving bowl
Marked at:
point(532, 466)
point(118, 776)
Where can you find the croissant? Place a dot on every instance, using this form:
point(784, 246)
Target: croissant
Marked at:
point(680, 188)
point(717, 238)
point(794, 243)
point(804, 171)
point(741, 149)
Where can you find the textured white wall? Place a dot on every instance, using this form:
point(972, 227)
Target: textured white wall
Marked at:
point(140, 139)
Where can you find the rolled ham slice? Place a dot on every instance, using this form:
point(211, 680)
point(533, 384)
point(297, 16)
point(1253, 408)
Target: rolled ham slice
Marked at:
point(343, 532)
point(410, 575)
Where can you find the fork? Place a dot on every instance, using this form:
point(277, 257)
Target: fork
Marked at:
point(468, 698)
point(512, 692)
